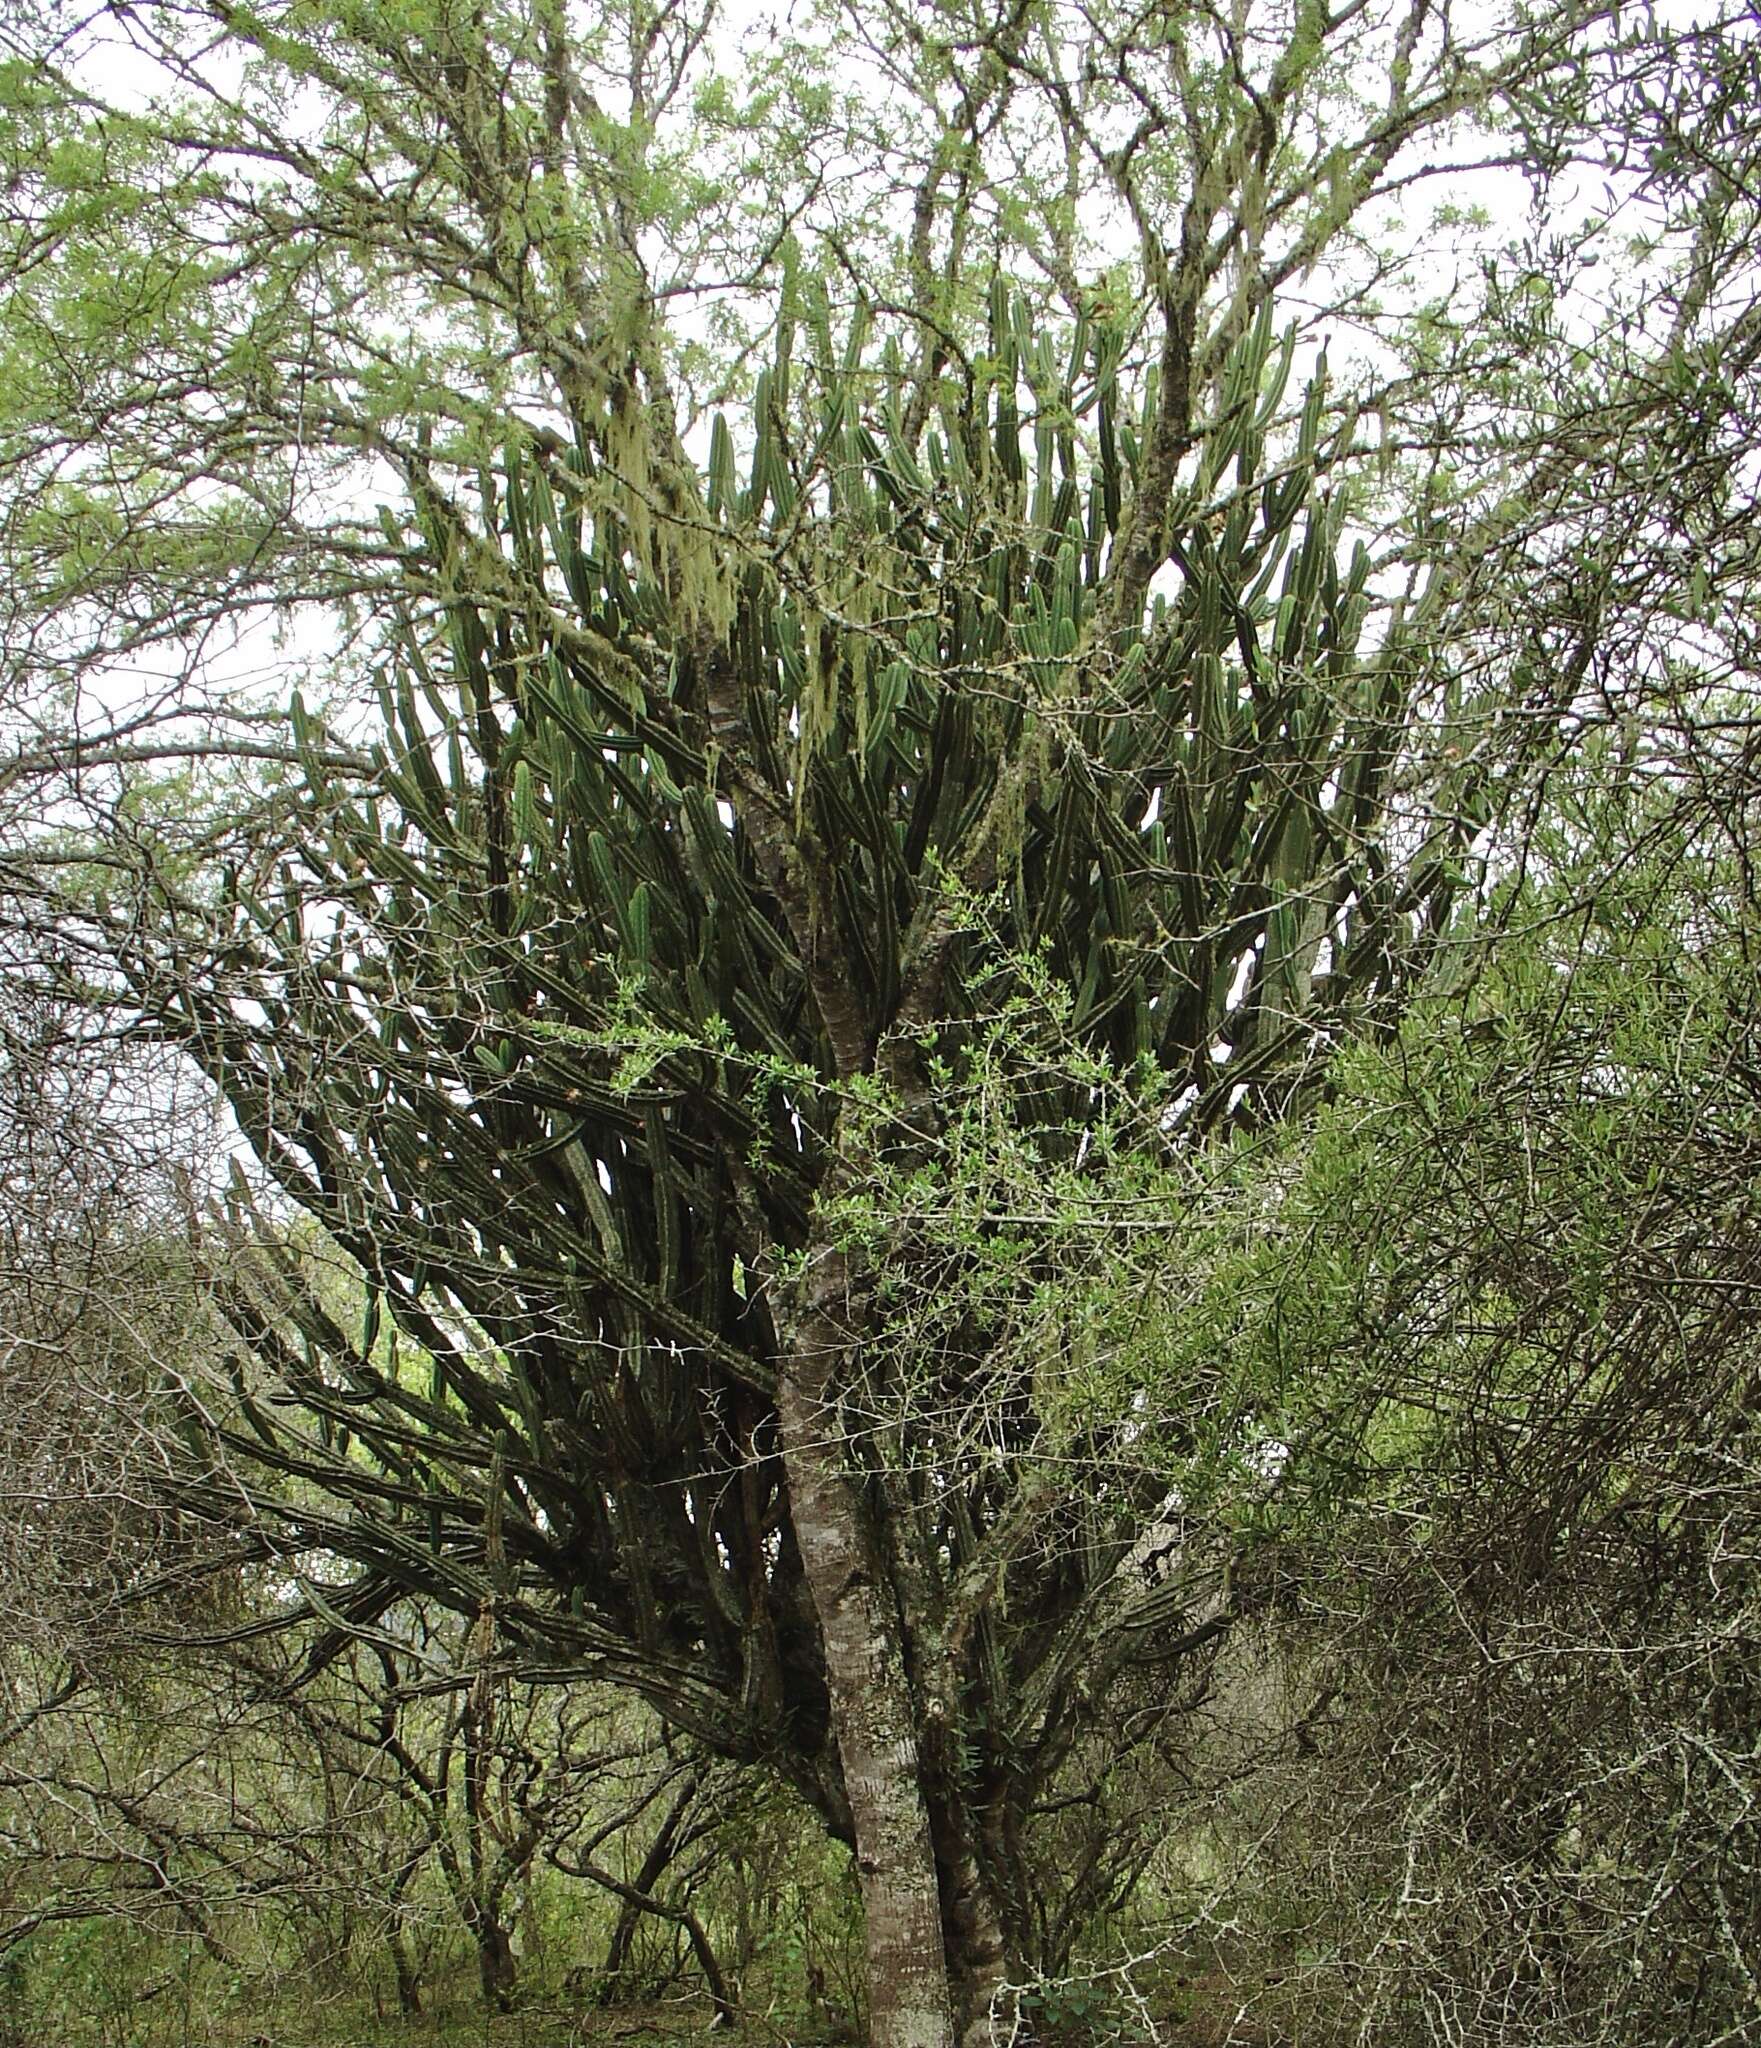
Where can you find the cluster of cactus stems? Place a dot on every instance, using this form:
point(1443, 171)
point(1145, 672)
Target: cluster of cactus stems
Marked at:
point(686, 789)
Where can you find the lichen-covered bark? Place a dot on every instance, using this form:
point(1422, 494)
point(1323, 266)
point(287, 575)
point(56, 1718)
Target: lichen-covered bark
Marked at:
point(872, 1710)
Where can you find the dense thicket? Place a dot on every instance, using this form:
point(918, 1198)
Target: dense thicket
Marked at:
point(1506, 1287)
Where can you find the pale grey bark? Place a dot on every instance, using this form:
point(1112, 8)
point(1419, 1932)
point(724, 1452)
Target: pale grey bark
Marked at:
point(873, 1714)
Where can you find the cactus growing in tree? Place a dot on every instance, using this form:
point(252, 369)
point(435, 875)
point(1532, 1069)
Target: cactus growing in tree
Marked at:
point(758, 759)
point(710, 818)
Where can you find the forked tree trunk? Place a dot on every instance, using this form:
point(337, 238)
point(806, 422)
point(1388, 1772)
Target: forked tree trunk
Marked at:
point(872, 1714)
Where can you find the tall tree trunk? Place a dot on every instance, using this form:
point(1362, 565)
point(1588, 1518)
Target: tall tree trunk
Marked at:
point(872, 1709)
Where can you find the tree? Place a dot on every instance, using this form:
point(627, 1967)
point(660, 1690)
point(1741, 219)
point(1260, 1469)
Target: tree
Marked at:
point(116, 1522)
point(1507, 1285)
point(975, 751)
point(613, 1140)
